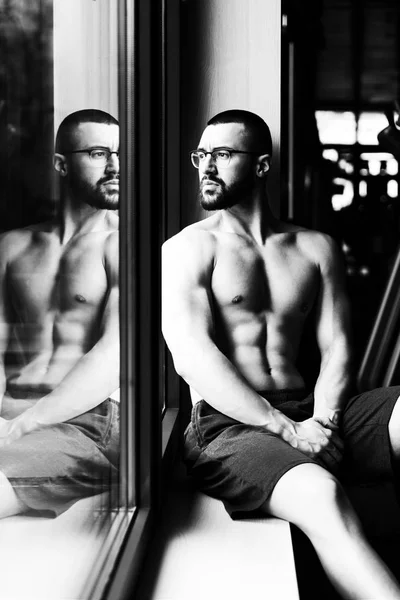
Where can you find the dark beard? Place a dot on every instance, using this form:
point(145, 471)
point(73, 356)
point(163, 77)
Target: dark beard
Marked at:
point(96, 195)
point(225, 196)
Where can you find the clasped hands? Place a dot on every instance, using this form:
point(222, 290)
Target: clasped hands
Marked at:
point(319, 439)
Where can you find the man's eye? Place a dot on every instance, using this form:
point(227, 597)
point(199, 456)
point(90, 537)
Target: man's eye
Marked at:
point(98, 153)
point(201, 155)
point(222, 154)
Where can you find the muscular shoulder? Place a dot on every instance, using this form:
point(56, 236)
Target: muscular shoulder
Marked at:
point(12, 243)
point(321, 247)
point(194, 246)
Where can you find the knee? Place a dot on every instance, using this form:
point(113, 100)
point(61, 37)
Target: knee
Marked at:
point(324, 507)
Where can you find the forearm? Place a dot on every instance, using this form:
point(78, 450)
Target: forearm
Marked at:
point(219, 383)
point(93, 379)
point(334, 381)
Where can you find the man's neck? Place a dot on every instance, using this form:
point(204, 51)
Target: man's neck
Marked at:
point(254, 219)
point(75, 220)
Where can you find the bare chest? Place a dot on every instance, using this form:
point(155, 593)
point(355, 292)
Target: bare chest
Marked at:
point(47, 280)
point(275, 282)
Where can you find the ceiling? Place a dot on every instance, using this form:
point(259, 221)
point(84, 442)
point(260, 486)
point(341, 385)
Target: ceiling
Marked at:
point(358, 64)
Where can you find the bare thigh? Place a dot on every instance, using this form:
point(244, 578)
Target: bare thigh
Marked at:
point(311, 498)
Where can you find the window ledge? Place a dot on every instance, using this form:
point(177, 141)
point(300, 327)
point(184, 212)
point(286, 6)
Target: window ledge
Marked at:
point(239, 559)
point(51, 559)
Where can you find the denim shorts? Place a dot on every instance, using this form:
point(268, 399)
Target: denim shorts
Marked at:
point(241, 464)
point(56, 465)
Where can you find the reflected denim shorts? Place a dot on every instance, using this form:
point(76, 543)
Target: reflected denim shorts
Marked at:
point(56, 465)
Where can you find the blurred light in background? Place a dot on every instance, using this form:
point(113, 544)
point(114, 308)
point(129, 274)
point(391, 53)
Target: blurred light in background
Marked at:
point(336, 127)
point(392, 188)
point(362, 189)
point(344, 199)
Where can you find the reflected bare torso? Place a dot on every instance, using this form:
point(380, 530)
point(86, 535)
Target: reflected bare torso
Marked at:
point(55, 300)
point(260, 298)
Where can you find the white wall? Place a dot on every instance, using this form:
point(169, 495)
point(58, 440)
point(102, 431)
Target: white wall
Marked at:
point(231, 60)
point(85, 56)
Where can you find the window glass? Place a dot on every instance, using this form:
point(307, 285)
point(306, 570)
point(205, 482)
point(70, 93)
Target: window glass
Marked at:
point(59, 300)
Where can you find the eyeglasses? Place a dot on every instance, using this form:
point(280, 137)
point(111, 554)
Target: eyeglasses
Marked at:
point(221, 156)
point(98, 156)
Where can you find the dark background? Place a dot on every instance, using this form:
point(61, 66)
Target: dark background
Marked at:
point(346, 58)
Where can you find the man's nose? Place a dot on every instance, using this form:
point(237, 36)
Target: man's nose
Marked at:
point(208, 165)
point(112, 165)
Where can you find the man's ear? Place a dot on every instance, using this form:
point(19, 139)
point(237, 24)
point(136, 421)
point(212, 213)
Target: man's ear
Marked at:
point(60, 164)
point(263, 165)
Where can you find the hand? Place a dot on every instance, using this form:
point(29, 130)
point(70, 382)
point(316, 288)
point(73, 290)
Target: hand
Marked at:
point(321, 443)
point(11, 430)
point(6, 434)
point(329, 418)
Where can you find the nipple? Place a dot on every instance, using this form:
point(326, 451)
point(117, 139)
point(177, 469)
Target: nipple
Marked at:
point(237, 299)
point(80, 298)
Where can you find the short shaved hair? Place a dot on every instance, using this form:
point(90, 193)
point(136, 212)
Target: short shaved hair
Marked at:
point(72, 121)
point(255, 125)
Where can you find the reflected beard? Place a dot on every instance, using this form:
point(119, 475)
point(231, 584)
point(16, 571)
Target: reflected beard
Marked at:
point(97, 196)
point(225, 196)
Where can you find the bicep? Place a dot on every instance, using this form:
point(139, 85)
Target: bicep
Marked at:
point(186, 301)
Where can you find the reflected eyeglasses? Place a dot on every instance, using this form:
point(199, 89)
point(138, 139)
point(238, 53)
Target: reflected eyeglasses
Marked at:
point(98, 156)
point(221, 156)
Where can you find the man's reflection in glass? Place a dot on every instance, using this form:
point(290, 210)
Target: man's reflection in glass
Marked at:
point(59, 326)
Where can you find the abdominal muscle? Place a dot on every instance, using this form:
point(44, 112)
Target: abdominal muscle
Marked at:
point(266, 370)
point(43, 362)
point(43, 373)
point(28, 384)
point(265, 367)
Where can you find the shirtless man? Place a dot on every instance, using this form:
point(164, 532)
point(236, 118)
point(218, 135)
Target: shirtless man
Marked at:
point(59, 331)
point(237, 288)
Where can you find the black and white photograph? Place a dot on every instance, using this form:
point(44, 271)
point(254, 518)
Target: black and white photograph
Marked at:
point(199, 299)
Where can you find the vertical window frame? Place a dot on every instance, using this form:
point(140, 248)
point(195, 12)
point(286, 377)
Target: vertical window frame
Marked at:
point(142, 140)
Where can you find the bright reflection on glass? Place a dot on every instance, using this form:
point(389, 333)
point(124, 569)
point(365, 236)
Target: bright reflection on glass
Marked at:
point(392, 188)
point(344, 199)
point(336, 127)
